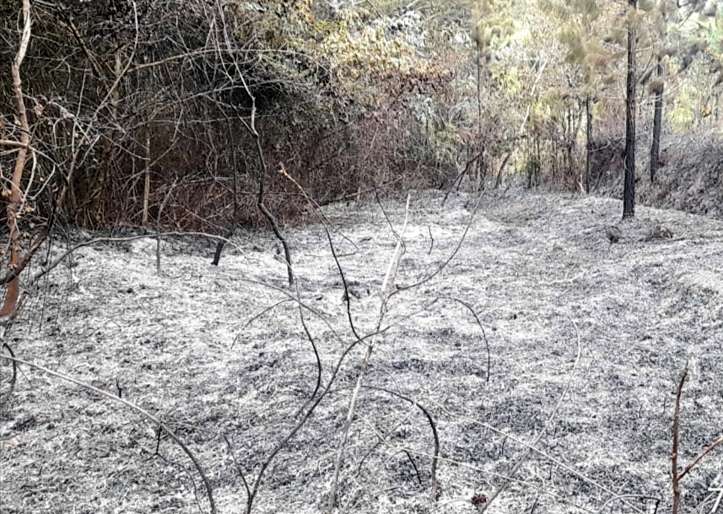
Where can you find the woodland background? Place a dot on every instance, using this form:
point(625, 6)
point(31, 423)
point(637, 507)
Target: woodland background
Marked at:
point(136, 131)
point(139, 111)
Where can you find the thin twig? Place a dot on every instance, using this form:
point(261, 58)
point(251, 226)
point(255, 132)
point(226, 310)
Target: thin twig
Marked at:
point(706, 451)
point(479, 324)
point(435, 458)
point(238, 466)
point(676, 436)
point(319, 368)
point(451, 256)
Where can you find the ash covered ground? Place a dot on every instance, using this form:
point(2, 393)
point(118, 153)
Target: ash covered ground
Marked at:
point(585, 340)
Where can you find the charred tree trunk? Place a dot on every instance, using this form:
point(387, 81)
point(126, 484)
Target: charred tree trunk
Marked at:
point(588, 142)
point(538, 160)
point(530, 162)
point(657, 122)
point(147, 177)
point(629, 188)
point(569, 146)
point(481, 170)
point(234, 220)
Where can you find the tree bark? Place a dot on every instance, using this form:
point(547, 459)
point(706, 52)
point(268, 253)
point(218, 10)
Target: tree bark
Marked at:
point(15, 195)
point(657, 123)
point(629, 188)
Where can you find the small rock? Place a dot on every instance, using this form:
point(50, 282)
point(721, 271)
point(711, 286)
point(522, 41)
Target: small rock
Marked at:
point(479, 500)
point(613, 234)
point(24, 422)
point(660, 232)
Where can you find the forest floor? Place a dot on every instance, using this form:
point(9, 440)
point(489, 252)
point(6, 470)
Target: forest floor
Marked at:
point(586, 342)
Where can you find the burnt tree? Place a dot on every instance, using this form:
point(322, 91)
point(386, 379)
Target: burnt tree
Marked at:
point(629, 188)
point(657, 121)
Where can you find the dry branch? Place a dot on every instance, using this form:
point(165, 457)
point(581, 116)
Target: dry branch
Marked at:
point(142, 412)
point(384, 295)
point(676, 445)
point(435, 457)
point(14, 377)
point(677, 476)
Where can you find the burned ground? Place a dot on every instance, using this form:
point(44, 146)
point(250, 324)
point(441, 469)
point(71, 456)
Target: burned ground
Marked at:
point(559, 303)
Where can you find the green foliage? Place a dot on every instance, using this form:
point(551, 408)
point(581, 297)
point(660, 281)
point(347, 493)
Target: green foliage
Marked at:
point(353, 51)
point(682, 114)
point(493, 25)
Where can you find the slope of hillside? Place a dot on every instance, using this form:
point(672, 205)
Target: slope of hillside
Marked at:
point(690, 177)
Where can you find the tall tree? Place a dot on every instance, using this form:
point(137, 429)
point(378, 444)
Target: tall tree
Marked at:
point(629, 187)
point(657, 85)
point(588, 142)
point(591, 59)
point(658, 89)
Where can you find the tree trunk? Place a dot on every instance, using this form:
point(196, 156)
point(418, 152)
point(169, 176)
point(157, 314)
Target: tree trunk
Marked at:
point(234, 220)
point(147, 175)
point(570, 146)
point(538, 160)
point(629, 189)
point(530, 162)
point(481, 170)
point(15, 195)
point(588, 143)
point(657, 123)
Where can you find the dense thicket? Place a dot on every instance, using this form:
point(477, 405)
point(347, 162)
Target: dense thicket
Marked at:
point(139, 111)
point(118, 92)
